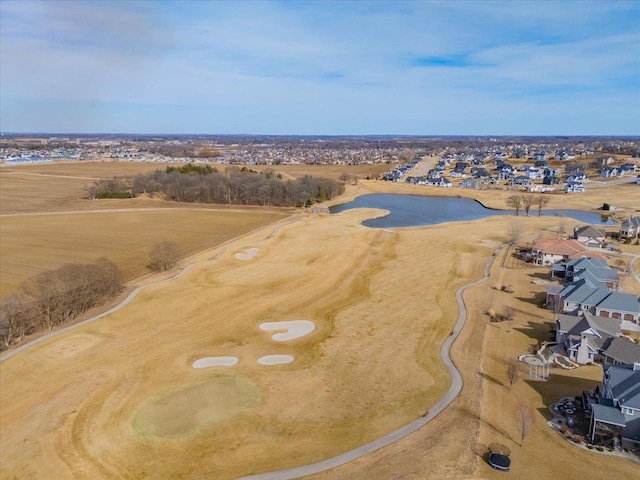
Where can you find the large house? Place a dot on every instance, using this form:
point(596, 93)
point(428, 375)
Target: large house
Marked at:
point(548, 251)
point(590, 236)
point(612, 410)
point(588, 338)
point(573, 187)
point(595, 269)
point(630, 228)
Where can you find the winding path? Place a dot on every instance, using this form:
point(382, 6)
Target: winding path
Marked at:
point(351, 455)
point(452, 393)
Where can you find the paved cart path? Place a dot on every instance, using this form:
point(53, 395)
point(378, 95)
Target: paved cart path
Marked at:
point(452, 393)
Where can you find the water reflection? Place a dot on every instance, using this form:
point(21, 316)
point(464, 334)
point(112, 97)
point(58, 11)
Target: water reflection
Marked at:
point(415, 210)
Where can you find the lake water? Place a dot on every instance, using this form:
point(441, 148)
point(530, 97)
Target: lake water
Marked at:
point(415, 210)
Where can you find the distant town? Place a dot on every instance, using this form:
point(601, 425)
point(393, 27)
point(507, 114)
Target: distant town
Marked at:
point(321, 150)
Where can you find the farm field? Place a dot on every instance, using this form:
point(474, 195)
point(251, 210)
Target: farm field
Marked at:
point(119, 398)
point(34, 243)
point(326, 171)
point(59, 186)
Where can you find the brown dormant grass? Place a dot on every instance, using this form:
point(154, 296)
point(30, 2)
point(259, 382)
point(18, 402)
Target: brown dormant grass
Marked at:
point(30, 244)
point(78, 405)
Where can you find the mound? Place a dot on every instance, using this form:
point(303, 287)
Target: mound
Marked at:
point(196, 407)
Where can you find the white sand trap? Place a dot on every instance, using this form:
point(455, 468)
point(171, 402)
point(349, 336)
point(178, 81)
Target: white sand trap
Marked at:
point(293, 329)
point(275, 359)
point(215, 362)
point(248, 254)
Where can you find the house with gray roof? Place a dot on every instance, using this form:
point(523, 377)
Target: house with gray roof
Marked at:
point(590, 236)
point(622, 306)
point(614, 410)
point(588, 338)
point(593, 296)
point(630, 228)
point(594, 269)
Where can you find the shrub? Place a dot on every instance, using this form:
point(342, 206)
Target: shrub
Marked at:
point(605, 206)
point(590, 447)
point(564, 429)
point(578, 439)
point(164, 256)
point(600, 448)
point(115, 195)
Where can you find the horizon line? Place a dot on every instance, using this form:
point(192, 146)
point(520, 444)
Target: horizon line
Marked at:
point(556, 135)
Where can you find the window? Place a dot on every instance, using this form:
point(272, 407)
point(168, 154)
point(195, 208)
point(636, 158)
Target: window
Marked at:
point(628, 411)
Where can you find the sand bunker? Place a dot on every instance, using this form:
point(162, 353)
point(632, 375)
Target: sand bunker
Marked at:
point(215, 362)
point(275, 359)
point(248, 254)
point(195, 407)
point(293, 329)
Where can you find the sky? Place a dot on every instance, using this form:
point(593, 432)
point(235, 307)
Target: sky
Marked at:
point(320, 67)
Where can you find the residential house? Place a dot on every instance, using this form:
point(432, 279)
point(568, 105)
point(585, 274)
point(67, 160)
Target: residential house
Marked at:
point(590, 295)
point(439, 182)
point(627, 168)
point(480, 173)
point(460, 170)
point(578, 178)
point(435, 173)
point(541, 164)
point(593, 268)
point(471, 183)
point(573, 187)
point(588, 338)
point(521, 180)
point(630, 228)
point(548, 251)
point(608, 172)
point(612, 410)
point(590, 236)
point(540, 156)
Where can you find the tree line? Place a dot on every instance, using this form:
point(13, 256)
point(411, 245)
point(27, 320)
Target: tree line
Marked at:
point(55, 297)
point(525, 202)
point(235, 187)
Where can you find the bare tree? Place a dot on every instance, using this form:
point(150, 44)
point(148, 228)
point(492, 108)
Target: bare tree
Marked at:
point(345, 177)
point(515, 231)
point(513, 373)
point(509, 313)
point(527, 202)
point(562, 225)
point(163, 255)
point(541, 201)
point(524, 417)
point(16, 320)
point(515, 202)
point(57, 296)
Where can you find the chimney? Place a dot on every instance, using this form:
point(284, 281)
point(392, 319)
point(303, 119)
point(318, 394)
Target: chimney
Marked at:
point(636, 365)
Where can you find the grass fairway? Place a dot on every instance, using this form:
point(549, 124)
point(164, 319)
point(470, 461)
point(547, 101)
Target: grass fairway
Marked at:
point(382, 305)
point(119, 398)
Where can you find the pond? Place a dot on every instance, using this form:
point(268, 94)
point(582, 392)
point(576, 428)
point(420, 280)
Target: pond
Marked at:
point(416, 210)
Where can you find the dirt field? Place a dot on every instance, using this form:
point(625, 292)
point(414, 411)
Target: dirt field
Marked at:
point(119, 399)
point(31, 244)
point(326, 171)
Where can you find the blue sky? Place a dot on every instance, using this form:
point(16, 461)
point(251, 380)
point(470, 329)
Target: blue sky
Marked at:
point(296, 67)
